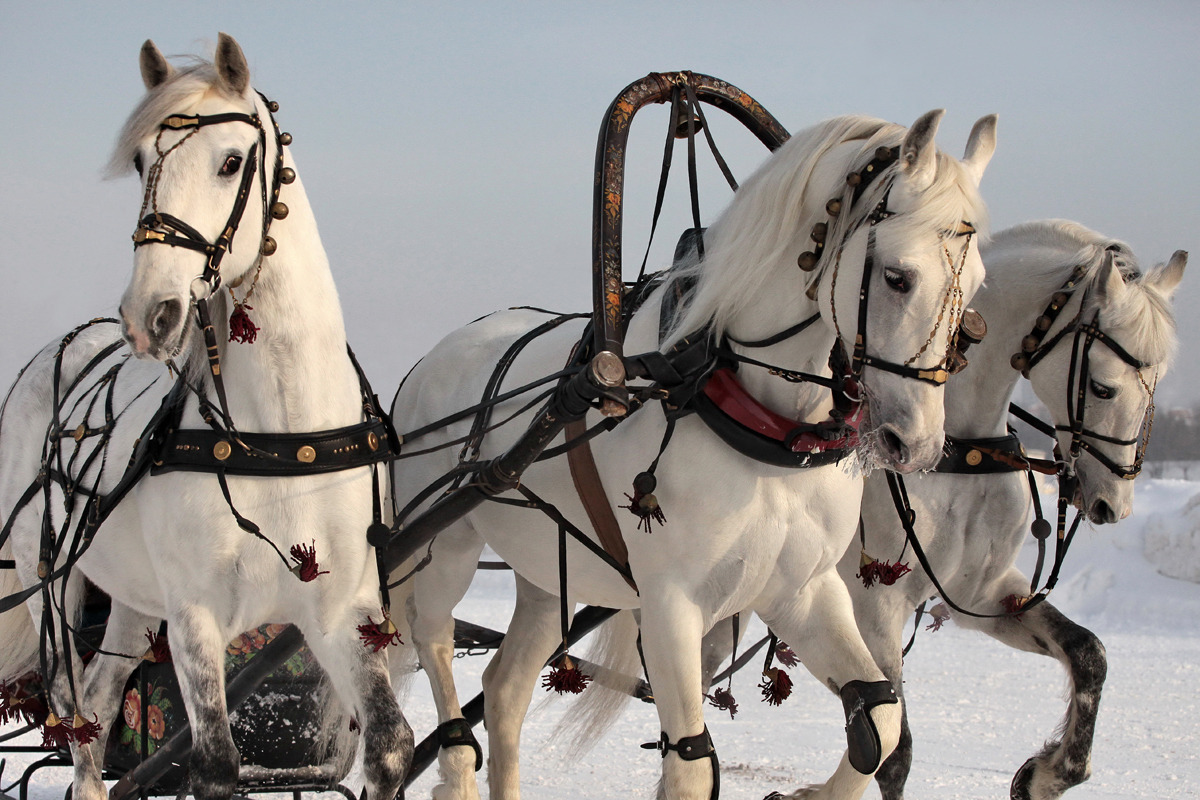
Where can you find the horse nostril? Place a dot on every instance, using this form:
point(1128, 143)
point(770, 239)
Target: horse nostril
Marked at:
point(165, 318)
point(1102, 513)
point(894, 446)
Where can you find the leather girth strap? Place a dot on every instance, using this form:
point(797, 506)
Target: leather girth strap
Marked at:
point(595, 501)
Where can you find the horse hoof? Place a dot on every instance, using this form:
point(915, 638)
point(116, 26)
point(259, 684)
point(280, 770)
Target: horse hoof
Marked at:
point(1022, 782)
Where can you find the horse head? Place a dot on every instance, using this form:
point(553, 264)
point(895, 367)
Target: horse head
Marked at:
point(1096, 371)
point(205, 147)
point(907, 263)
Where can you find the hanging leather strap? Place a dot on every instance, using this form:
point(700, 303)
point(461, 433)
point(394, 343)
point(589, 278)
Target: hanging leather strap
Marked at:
point(591, 493)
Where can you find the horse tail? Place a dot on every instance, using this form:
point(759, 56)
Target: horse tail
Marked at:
point(614, 682)
point(21, 641)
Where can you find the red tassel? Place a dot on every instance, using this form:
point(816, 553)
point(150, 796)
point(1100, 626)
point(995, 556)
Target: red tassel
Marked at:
point(643, 504)
point(160, 649)
point(776, 686)
point(1014, 603)
point(306, 568)
point(241, 329)
point(378, 635)
point(354, 725)
point(723, 699)
point(56, 733)
point(83, 731)
point(786, 655)
point(565, 677)
point(20, 700)
point(871, 570)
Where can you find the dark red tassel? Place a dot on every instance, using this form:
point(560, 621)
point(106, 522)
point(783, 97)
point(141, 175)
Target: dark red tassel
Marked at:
point(786, 655)
point(241, 329)
point(306, 568)
point(354, 725)
point(378, 635)
point(83, 731)
point(1014, 603)
point(643, 504)
point(776, 686)
point(871, 570)
point(160, 649)
point(56, 733)
point(723, 699)
point(565, 677)
point(21, 700)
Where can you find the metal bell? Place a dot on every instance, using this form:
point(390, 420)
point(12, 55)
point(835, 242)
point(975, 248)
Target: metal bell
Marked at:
point(269, 246)
point(686, 123)
point(1059, 299)
point(285, 139)
point(279, 210)
point(1043, 323)
point(883, 154)
point(1019, 362)
point(854, 179)
point(818, 232)
point(834, 206)
point(807, 261)
point(1030, 343)
point(287, 175)
point(972, 328)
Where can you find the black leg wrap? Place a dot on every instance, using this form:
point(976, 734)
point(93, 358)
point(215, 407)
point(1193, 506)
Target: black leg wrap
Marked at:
point(457, 733)
point(862, 738)
point(692, 748)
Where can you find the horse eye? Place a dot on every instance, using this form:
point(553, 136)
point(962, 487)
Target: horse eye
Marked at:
point(1102, 391)
point(231, 165)
point(137, 163)
point(896, 279)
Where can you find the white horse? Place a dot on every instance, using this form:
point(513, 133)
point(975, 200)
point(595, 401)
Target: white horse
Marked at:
point(172, 549)
point(971, 526)
point(739, 533)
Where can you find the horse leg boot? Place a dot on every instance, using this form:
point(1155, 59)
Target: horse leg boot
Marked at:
point(360, 676)
point(436, 591)
point(1067, 760)
point(509, 680)
point(672, 629)
point(818, 624)
point(106, 675)
point(882, 628)
point(198, 650)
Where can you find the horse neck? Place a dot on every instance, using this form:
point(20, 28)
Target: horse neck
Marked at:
point(296, 376)
point(977, 400)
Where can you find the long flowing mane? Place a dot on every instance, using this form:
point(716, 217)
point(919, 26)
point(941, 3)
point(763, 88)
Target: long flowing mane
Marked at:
point(1144, 315)
point(768, 221)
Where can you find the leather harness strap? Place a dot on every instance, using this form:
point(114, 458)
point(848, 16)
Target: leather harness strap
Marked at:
point(595, 501)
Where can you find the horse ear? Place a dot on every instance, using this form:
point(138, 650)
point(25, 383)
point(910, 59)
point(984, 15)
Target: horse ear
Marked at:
point(1109, 282)
point(1166, 280)
point(232, 70)
point(918, 154)
point(155, 68)
point(980, 146)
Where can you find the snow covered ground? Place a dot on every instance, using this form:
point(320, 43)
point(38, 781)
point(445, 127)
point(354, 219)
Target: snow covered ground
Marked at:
point(978, 709)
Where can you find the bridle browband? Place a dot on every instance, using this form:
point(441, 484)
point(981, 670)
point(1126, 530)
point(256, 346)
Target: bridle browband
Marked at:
point(1033, 350)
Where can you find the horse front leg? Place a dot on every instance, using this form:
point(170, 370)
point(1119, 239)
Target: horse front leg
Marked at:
point(672, 630)
point(198, 650)
point(1067, 760)
point(436, 591)
point(818, 624)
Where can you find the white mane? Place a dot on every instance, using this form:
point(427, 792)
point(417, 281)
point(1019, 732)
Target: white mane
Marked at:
point(767, 224)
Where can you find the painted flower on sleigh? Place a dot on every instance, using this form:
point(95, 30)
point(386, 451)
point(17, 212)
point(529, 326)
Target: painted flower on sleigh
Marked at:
point(156, 723)
point(247, 643)
point(132, 709)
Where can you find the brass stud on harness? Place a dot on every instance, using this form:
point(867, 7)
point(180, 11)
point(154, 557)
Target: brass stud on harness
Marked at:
point(974, 457)
point(43, 569)
point(80, 432)
point(306, 454)
point(279, 210)
point(287, 175)
point(373, 441)
point(222, 450)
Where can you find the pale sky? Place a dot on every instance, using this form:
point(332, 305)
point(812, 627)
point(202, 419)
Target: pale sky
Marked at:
point(448, 147)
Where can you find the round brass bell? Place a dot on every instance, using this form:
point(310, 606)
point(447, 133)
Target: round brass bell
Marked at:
point(834, 206)
point(285, 139)
point(854, 179)
point(883, 153)
point(1019, 362)
point(807, 261)
point(222, 450)
point(1043, 323)
point(687, 123)
point(279, 210)
point(1029, 343)
point(287, 175)
point(269, 246)
point(306, 454)
point(1059, 299)
point(274, 106)
point(819, 231)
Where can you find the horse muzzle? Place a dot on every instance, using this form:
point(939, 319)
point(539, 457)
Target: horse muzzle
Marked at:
point(156, 334)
